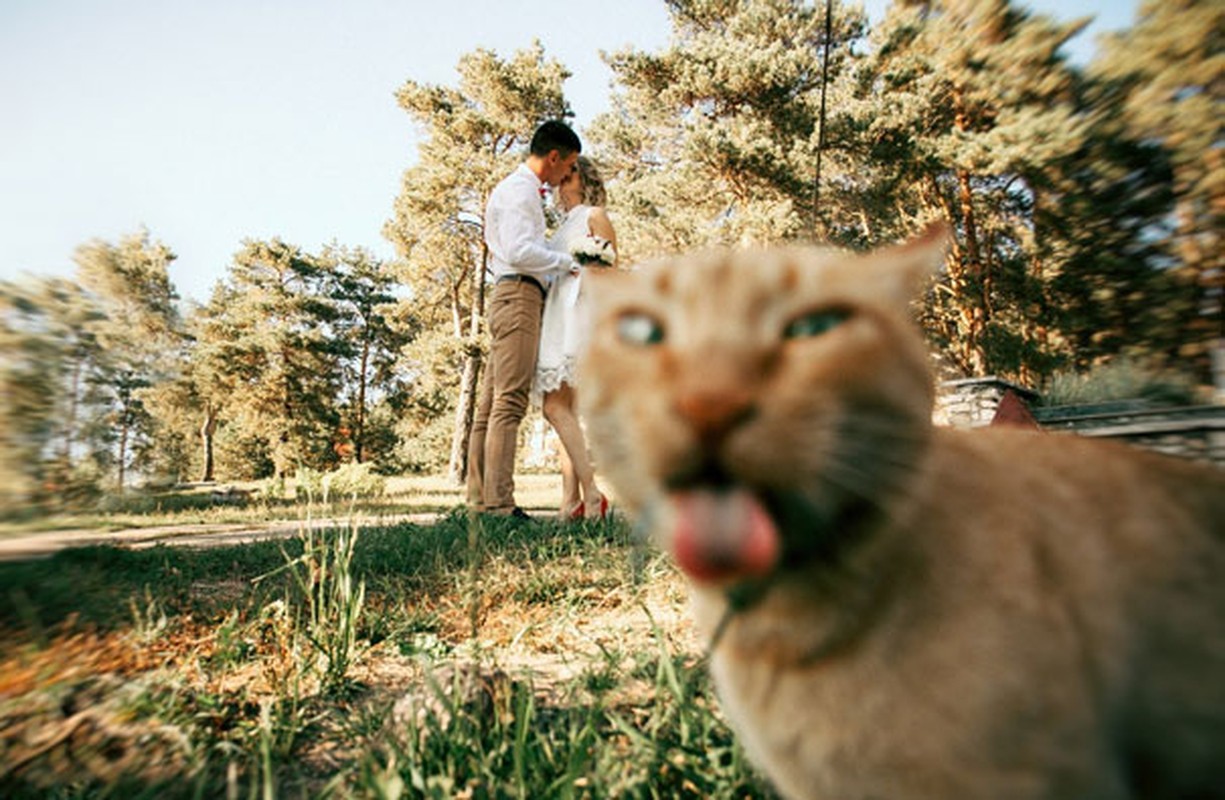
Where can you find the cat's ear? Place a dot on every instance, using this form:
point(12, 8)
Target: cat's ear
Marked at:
point(913, 262)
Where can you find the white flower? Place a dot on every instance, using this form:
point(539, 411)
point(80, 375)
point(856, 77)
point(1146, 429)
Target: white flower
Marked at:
point(593, 250)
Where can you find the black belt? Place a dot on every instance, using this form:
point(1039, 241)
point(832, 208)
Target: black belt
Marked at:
point(518, 278)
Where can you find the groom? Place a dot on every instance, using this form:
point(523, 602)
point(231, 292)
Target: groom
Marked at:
point(523, 266)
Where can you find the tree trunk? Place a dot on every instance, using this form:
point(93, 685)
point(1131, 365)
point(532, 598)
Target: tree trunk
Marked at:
point(359, 427)
point(282, 461)
point(816, 183)
point(1035, 329)
point(457, 309)
point(464, 413)
point(470, 381)
point(207, 430)
point(955, 320)
point(975, 313)
point(975, 310)
point(123, 452)
point(73, 405)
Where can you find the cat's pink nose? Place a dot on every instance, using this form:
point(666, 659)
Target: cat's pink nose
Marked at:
point(714, 414)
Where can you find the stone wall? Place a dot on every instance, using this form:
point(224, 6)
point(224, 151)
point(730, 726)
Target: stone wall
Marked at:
point(971, 403)
point(1195, 432)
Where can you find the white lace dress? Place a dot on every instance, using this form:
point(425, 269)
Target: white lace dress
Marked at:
point(564, 323)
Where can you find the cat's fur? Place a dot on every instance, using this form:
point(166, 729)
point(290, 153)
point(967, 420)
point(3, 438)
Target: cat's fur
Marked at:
point(923, 612)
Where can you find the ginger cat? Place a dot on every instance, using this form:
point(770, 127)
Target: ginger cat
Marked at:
point(899, 611)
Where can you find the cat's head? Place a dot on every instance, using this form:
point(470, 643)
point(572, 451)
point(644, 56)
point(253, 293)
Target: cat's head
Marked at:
point(752, 404)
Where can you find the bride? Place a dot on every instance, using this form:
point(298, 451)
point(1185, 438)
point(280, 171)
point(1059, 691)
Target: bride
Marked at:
point(581, 196)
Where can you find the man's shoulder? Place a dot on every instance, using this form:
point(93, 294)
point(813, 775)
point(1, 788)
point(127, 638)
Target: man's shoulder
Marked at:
point(520, 176)
point(518, 182)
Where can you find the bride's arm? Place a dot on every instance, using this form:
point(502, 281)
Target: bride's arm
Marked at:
point(598, 224)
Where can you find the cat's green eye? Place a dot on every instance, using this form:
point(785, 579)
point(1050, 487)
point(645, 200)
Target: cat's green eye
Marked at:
point(814, 323)
point(639, 328)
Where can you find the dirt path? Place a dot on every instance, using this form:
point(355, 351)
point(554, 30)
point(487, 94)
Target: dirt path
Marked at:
point(47, 543)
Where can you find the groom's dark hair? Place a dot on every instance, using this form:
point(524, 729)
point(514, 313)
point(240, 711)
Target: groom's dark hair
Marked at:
point(555, 135)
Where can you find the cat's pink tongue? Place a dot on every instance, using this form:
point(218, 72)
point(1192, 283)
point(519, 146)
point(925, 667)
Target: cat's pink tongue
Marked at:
point(723, 535)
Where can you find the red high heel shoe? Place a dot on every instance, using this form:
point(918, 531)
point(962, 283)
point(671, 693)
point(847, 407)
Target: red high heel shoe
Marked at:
point(579, 512)
point(603, 508)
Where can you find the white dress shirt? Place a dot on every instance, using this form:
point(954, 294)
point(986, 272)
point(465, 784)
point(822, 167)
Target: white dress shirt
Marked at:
point(515, 229)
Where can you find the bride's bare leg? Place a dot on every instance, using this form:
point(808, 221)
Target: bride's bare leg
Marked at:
point(559, 411)
point(570, 498)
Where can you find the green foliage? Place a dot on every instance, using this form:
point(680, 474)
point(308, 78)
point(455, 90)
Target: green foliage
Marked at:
point(498, 739)
point(140, 323)
point(373, 328)
point(331, 598)
point(52, 357)
point(424, 445)
point(345, 483)
point(713, 140)
point(1061, 201)
point(382, 437)
point(1106, 213)
point(967, 106)
point(287, 361)
point(1164, 74)
point(269, 326)
point(132, 279)
point(79, 357)
point(1121, 379)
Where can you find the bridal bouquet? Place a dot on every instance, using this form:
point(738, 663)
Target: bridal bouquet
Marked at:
point(594, 250)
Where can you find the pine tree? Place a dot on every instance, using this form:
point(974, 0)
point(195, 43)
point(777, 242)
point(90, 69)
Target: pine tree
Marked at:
point(964, 105)
point(139, 323)
point(1168, 72)
point(371, 337)
point(1102, 246)
point(266, 335)
point(715, 138)
point(73, 367)
point(49, 350)
point(185, 418)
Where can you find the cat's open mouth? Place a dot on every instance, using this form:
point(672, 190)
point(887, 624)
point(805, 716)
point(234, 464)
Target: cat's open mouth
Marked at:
point(722, 530)
point(722, 534)
point(726, 531)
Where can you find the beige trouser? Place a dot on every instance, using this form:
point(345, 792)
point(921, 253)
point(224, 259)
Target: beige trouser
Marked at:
point(514, 325)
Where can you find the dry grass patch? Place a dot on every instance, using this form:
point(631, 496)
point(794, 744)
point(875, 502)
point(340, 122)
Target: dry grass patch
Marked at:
point(582, 677)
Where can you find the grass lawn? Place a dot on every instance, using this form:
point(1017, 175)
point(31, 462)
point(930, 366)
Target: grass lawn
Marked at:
point(204, 505)
point(410, 661)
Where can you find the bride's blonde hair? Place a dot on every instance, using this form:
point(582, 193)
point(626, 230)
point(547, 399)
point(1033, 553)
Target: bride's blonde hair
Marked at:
point(593, 184)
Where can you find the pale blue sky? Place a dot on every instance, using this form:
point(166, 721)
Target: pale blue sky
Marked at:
point(208, 122)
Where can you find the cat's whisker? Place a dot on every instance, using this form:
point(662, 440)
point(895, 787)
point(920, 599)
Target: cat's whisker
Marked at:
point(865, 424)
